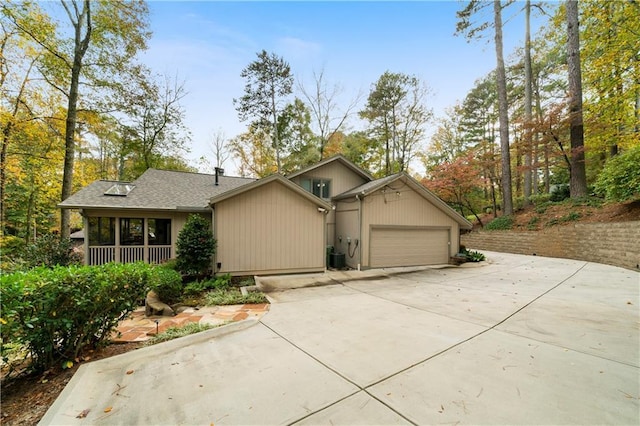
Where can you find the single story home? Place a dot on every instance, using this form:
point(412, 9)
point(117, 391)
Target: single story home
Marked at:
point(272, 225)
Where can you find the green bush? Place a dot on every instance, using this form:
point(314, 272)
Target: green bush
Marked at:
point(533, 222)
point(474, 256)
point(500, 223)
point(54, 313)
point(560, 193)
point(195, 246)
point(221, 282)
point(167, 283)
point(49, 250)
point(170, 264)
point(620, 178)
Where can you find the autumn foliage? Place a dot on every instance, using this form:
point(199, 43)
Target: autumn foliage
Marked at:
point(458, 182)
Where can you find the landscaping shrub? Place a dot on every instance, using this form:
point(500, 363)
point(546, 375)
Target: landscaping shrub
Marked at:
point(54, 313)
point(500, 223)
point(170, 264)
point(49, 250)
point(167, 283)
point(473, 256)
point(620, 178)
point(195, 246)
point(221, 282)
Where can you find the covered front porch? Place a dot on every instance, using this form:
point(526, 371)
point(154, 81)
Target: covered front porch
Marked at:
point(136, 237)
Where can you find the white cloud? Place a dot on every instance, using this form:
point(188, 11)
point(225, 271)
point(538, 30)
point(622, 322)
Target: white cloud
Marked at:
point(296, 48)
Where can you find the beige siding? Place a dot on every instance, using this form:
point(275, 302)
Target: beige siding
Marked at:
point(342, 179)
point(348, 226)
point(408, 246)
point(270, 229)
point(402, 206)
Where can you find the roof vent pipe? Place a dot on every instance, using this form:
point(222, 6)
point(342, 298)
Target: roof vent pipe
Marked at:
point(219, 172)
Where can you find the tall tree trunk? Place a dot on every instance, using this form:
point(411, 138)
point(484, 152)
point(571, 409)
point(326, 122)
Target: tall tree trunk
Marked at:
point(578, 182)
point(527, 104)
point(501, 80)
point(81, 43)
point(535, 163)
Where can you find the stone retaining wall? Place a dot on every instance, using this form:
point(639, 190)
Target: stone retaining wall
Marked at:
point(615, 244)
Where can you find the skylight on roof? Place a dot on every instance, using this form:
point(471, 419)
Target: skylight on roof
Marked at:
point(120, 189)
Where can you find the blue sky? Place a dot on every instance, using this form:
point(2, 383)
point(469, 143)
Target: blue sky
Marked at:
point(208, 43)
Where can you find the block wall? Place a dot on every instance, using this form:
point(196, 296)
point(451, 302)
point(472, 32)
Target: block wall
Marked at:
point(615, 244)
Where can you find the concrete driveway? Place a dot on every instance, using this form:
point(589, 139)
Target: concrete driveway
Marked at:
point(519, 340)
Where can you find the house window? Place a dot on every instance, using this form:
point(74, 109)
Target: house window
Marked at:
point(318, 187)
point(159, 232)
point(131, 232)
point(102, 231)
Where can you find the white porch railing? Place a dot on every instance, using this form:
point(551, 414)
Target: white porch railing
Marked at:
point(101, 254)
point(159, 254)
point(130, 254)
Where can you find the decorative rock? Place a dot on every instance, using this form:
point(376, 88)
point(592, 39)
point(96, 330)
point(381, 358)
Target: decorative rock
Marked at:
point(154, 306)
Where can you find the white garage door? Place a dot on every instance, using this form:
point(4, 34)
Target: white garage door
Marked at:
point(408, 246)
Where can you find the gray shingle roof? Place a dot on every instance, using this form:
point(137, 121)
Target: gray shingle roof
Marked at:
point(157, 190)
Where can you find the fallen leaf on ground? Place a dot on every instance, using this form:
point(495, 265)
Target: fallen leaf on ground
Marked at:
point(83, 414)
point(130, 372)
point(108, 409)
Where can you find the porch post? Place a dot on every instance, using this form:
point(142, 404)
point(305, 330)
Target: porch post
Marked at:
point(85, 243)
point(145, 250)
point(117, 248)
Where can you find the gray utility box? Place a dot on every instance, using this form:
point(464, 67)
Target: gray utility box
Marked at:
point(337, 260)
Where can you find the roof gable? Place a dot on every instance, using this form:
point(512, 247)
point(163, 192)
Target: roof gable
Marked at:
point(264, 181)
point(373, 186)
point(339, 158)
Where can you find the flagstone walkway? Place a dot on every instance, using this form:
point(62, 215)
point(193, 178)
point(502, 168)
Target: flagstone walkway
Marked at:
point(138, 327)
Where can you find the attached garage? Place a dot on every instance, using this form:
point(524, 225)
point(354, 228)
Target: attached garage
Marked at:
point(396, 222)
point(271, 226)
point(408, 246)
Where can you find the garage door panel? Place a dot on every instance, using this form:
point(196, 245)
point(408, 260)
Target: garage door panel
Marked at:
point(408, 246)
